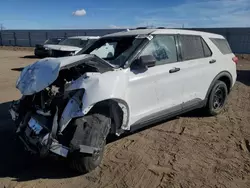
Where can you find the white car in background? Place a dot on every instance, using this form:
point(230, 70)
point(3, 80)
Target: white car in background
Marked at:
point(70, 46)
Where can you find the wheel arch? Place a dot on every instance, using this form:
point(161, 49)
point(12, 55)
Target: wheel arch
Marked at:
point(117, 110)
point(224, 76)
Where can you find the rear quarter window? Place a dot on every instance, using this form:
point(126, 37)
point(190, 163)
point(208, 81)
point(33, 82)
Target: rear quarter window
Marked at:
point(222, 45)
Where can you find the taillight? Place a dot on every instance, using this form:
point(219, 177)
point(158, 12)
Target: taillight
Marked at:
point(235, 59)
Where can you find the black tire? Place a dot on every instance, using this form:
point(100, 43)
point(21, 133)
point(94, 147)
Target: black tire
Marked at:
point(217, 98)
point(91, 130)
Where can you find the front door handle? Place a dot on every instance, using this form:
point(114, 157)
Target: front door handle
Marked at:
point(174, 70)
point(212, 61)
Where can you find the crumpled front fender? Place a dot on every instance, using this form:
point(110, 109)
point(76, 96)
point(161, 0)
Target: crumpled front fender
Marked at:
point(97, 87)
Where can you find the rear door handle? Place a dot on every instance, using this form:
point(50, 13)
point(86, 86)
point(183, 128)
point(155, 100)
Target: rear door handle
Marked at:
point(174, 70)
point(212, 61)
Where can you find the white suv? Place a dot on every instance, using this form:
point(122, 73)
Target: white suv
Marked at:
point(122, 82)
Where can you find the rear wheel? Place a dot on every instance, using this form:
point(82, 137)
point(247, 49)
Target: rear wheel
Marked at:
point(91, 130)
point(217, 98)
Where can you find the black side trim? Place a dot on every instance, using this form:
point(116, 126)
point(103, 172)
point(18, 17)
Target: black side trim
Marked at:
point(168, 113)
point(193, 104)
point(221, 74)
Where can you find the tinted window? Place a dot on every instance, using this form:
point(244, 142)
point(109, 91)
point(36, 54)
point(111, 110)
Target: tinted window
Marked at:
point(163, 48)
point(191, 47)
point(222, 45)
point(207, 51)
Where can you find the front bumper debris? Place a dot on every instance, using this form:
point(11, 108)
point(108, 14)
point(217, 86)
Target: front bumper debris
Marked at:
point(89, 149)
point(38, 143)
point(14, 115)
point(38, 134)
point(13, 110)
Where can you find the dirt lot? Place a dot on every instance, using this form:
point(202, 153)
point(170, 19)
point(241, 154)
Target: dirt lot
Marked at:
point(188, 151)
point(17, 48)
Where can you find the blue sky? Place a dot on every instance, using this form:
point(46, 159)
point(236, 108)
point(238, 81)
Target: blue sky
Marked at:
point(81, 14)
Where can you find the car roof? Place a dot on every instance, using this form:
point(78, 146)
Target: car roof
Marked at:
point(162, 31)
point(84, 37)
point(131, 33)
point(186, 32)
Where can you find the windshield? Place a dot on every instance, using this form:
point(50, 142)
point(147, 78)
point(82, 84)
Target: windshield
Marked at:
point(115, 50)
point(52, 41)
point(74, 42)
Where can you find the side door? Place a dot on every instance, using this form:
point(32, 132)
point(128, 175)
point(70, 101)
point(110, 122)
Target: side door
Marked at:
point(140, 94)
point(162, 86)
point(197, 67)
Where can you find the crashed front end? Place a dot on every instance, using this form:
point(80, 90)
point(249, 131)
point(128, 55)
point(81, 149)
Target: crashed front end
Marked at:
point(43, 114)
point(36, 117)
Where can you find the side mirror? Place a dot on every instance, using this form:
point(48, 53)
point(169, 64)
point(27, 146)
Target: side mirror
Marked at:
point(142, 64)
point(147, 60)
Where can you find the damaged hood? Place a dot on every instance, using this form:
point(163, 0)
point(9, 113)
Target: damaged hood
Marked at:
point(62, 47)
point(41, 74)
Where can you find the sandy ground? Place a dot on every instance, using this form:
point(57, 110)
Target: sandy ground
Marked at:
point(188, 151)
point(17, 48)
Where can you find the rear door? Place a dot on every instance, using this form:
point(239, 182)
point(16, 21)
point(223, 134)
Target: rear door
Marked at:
point(198, 65)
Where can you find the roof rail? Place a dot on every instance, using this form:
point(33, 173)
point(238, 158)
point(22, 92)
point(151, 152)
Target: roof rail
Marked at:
point(150, 27)
point(142, 28)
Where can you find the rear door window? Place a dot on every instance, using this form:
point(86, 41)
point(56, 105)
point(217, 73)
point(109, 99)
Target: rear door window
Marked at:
point(191, 47)
point(207, 51)
point(222, 45)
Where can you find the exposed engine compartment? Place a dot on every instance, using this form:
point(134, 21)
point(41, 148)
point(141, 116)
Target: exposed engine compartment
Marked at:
point(73, 73)
point(54, 95)
point(48, 104)
point(54, 91)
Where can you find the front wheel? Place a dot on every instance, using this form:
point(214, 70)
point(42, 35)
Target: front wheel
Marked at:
point(217, 98)
point(91, 130)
